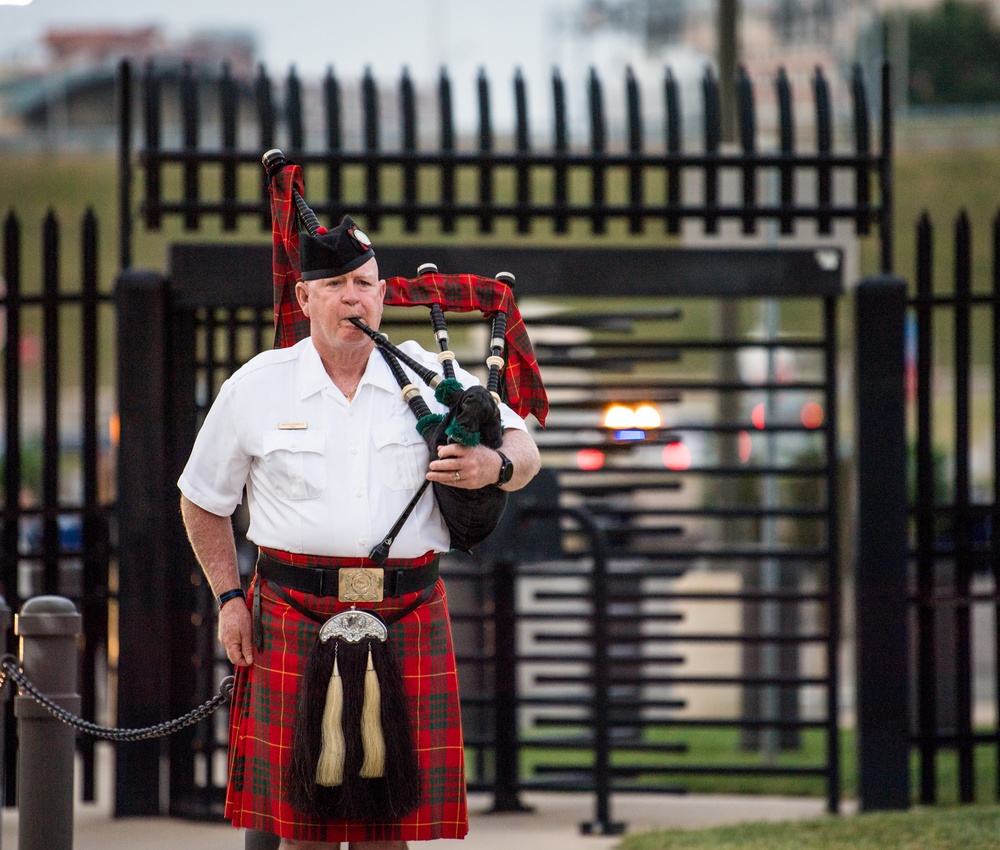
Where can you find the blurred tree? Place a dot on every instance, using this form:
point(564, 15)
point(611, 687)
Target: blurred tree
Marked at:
point(954, 53)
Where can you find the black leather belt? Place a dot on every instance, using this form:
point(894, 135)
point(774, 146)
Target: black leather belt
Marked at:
point(323, 581)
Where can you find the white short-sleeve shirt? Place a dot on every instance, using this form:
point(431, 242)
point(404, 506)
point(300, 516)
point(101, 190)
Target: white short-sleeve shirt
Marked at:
point(323, 476)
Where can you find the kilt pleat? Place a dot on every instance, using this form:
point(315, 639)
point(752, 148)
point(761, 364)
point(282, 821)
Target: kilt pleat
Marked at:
point(262, 718)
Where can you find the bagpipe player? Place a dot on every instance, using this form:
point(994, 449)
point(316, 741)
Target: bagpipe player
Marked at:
point(352, 737)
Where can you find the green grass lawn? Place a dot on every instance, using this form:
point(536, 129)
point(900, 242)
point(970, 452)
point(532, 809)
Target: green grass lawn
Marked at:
point(721, 749)
point(969, 828)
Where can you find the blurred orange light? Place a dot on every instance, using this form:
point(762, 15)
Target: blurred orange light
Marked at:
point(590, 460)
point(757, 416)
point(676, 456)
point(114, 429)
point(619, 417)
point(647, 416)
point(746, 446)
point(812, 414)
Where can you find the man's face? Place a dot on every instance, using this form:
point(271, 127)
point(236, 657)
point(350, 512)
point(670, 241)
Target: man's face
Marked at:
point(329, 303)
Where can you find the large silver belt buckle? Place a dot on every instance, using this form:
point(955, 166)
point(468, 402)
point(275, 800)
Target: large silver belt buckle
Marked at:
point(360, 584)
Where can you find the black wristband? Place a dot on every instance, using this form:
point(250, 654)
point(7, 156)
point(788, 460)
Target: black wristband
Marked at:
point(231, 594)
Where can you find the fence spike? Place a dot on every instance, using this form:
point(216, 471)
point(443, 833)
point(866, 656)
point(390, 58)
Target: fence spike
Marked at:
point(672, 131)
point(885, 175)
point(747, 118)
point(635, 147)
point(264, 98)
point(634, 111)
point(786, 124)
point(409, 120)
point(293, 111)
point(485, 123)
point(745, 111)
point(228, 107)
point(862, 145)
point(485, 146)
point(523, 146)
point(189, 122)
point(264, 101)
point(370, 102)
point(824, 146)
point(445, 108)
point(521, 110)
point(561, 146)
point(713, 138)
point(710, 95)
point(152, 130)
point(598, 143)
point(123, 111)
point(331, 103)
point(448, 148)
point(408, 111)
point(560, 129)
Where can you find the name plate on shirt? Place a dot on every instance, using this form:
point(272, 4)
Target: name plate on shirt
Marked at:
point(293, 426)
point(360, 584)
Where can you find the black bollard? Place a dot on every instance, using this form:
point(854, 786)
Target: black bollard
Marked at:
point(48, 627)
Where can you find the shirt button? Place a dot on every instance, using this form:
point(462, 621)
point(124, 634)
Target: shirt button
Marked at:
point(362, 541)
point(359, 494)
point(354, 451)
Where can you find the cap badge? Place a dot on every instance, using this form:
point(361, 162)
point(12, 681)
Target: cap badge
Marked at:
point(360, 237)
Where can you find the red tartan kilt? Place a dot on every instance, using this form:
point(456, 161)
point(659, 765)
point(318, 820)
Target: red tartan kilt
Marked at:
point(262, 718)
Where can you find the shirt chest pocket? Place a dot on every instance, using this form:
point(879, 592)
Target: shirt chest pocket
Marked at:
point(401, 455)
point(295, 463)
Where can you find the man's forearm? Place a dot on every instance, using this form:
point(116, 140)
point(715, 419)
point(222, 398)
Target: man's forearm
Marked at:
point(523, 453)
point(212, 539)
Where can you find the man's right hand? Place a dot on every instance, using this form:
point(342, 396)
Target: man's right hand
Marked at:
point(236, 632)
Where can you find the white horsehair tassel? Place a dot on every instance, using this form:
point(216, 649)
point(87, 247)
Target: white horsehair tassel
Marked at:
point(372, 737)
point(330, 767)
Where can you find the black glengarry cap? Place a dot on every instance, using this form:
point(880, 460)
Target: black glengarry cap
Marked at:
point(333, 252)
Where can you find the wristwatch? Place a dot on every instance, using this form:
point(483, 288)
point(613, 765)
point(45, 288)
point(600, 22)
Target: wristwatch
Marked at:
point(506, 469)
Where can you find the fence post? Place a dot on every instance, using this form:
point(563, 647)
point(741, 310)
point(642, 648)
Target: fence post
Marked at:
point(508, 779)
point(48, 627)
point(146, 505)
point(883, 671)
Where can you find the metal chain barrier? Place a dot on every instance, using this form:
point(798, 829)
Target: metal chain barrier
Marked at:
point(10, 667)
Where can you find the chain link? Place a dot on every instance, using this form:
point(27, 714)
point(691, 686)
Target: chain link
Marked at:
point(10, 667)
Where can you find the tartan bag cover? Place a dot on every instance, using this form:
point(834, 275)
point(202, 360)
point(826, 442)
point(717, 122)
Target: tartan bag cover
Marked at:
point(265, 699)
point(460, 293)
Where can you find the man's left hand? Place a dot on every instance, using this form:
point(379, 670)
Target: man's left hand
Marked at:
point(464, 467)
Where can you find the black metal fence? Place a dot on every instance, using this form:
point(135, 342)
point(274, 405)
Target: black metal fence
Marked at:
point(446, 187)
point(58, 501)
point(731, 501)
point(954, 369)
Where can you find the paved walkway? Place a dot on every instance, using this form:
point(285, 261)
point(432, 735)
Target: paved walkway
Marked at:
point(554, 824)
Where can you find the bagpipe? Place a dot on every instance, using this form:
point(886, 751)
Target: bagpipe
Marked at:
point(473, 415)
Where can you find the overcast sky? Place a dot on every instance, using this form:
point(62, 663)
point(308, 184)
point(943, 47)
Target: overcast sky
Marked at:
point(386, 34)
point(422, 35)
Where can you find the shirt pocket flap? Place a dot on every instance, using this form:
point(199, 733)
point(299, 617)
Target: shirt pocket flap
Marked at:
point(294, 441)
point(393, 433)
